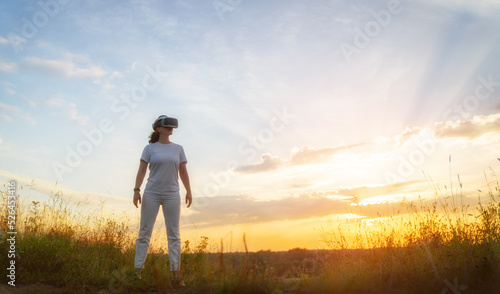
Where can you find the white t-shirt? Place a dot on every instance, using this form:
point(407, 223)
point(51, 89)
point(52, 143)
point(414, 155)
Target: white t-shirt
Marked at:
point(164, 161)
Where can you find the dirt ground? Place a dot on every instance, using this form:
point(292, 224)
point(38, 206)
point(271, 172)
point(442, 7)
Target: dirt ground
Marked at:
point(35, 288)
point(47, 289)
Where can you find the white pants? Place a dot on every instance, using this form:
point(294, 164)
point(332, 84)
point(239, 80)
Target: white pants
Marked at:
point(171, 204)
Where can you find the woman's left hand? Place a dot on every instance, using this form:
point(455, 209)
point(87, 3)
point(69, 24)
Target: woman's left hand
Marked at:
point(189, 199)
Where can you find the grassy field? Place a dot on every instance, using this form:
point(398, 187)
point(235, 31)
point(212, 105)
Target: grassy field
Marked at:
point(435, 248)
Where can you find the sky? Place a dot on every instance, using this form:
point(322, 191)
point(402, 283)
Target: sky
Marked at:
point(294, 115)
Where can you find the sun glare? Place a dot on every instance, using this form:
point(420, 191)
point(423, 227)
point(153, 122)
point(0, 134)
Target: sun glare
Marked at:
point(383, 199)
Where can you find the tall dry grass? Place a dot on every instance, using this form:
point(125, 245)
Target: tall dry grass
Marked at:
point(436, 247)
point(60, 245)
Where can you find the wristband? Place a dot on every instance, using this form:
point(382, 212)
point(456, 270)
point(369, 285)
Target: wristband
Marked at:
point(137, 189)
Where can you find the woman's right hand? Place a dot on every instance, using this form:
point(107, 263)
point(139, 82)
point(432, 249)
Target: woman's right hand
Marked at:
point(137, 197)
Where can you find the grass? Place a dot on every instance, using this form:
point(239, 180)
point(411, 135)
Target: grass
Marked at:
point(437, 247)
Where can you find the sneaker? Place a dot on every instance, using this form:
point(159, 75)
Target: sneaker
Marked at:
point(177, 281)
point(138, 273)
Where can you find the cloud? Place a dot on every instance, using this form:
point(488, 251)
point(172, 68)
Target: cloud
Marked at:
point(300, 156)
point(72, 114)
point(307, 155)
point(8, 108)
point(68, 110)
point(26, 117)
point(223, 210)
point(66, 67)
point(5, 117)
point(7, 112)
point(71, 196)
point(483, 8)
point(55, 102)
point(407, 134)
point(363, 192)
point(4, 41)
point(7, 66)
point(267, 163)
point(470, 129)
point(15, 94)
point(366, 201)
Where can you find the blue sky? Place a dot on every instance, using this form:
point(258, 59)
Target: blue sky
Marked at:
point(270, 105)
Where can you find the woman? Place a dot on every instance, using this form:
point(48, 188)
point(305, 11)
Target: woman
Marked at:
point(166, 161)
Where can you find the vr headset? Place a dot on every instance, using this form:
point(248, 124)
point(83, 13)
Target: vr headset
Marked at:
point(167, 122)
